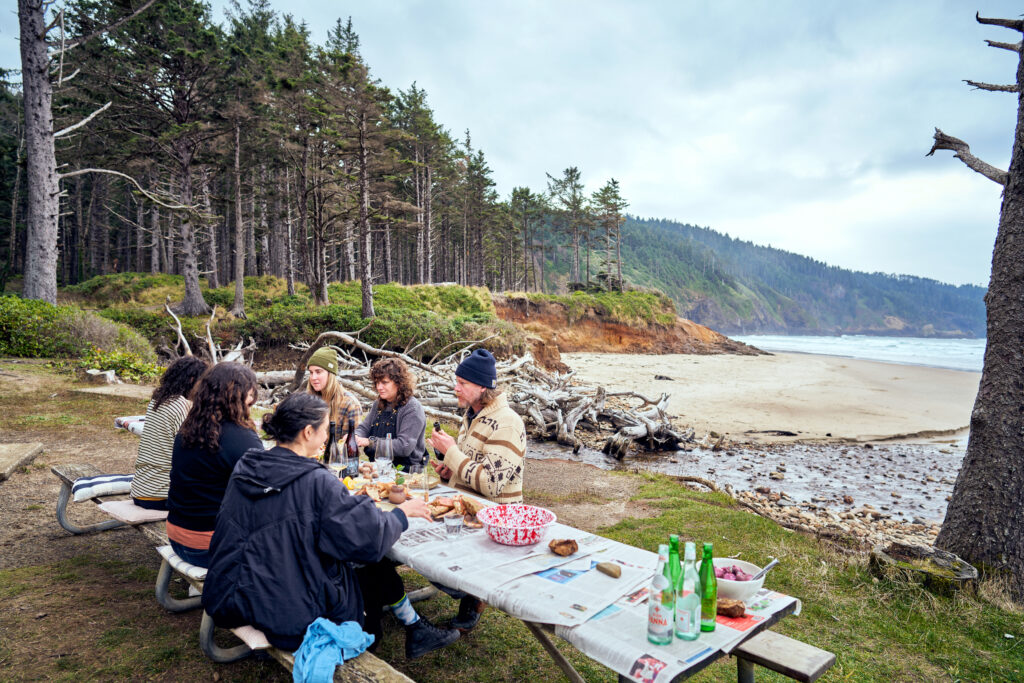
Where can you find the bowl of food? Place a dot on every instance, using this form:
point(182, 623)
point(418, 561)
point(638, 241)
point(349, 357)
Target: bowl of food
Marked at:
point(734, 578)
point(516, 524)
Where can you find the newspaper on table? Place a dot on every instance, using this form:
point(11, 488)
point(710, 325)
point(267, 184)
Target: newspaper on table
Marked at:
point(617, 637)
point(528, 582)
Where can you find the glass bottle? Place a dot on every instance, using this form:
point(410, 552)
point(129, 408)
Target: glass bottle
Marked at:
point(673, 560)
point(333, 454)
point(351, 451)
point(661, 602)
point(708, 591)
point(688, 596)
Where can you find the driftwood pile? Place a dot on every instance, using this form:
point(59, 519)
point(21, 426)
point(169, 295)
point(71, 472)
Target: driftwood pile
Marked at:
point(552, 405)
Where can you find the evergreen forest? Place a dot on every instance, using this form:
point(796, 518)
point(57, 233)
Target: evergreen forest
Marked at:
point(219, 151)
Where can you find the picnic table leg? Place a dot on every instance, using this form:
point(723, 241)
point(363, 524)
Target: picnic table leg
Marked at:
point(744, 670)
point(215, 652)
point(561, 661)
point(163, 582)
point(62, 516)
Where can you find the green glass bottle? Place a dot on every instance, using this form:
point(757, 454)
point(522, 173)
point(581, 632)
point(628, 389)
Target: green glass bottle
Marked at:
point(708, 591)
point(688, 596)
point(675, 568)
point(661, 604)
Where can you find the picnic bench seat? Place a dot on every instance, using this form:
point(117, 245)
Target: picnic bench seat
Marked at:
point(787, 656)
point(67, 475)
point(365, 667)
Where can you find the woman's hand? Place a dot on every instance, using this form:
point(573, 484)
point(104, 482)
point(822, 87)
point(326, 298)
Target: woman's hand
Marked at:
point(441, 441)
point(362, 441)
point(415, 507)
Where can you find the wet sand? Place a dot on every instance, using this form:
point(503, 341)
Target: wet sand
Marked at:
point(751, 398)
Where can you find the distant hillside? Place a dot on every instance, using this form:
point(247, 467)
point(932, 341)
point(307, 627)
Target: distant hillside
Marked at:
point(737, 287)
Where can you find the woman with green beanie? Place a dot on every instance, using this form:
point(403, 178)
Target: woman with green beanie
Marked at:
point(323, 382)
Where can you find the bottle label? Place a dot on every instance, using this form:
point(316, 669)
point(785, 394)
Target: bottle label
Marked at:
point(659, 617)
point(684, 621)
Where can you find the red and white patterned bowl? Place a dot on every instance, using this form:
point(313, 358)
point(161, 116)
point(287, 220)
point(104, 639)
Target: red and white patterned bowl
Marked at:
point(516, 524)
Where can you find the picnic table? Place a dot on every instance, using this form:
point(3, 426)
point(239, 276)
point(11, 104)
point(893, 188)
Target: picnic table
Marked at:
point(603, 617)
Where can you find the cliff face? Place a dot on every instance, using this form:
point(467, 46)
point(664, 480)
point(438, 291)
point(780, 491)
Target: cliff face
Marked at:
point(555, 330)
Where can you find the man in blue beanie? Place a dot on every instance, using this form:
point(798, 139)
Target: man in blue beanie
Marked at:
point(490, 454)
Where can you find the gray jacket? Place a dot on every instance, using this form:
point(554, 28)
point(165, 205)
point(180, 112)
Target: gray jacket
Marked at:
point(408, 441)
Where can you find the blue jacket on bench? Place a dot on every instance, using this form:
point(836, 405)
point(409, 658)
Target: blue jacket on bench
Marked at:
point(286, 535)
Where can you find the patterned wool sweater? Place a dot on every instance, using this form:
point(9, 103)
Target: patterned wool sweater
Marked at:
point(490, 454)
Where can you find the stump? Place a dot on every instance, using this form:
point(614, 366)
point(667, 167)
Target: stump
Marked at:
point(938, 571)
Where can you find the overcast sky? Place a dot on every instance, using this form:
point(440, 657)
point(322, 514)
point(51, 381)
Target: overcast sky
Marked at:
point(803, 125)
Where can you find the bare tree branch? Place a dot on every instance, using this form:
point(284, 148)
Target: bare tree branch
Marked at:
point(87, 119)
point(1013, 47)
point(963, 153)
point(111, 27)
point(152, 197)
point(992, 88)
point(65, 79)
point(1015, 24)
point(181, 334)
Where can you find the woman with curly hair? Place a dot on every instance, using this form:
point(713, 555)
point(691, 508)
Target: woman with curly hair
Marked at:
point(164, 414)
point(396, 412)
point(323, 382)
point(216, 433)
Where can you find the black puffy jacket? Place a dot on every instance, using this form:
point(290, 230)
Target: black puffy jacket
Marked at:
point(286, 534)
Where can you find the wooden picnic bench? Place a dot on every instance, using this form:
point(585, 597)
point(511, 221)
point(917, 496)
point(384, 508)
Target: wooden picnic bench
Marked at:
point(365, 667)
point(787, 656)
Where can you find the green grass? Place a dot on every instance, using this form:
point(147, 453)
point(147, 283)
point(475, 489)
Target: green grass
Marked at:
point(630, 308)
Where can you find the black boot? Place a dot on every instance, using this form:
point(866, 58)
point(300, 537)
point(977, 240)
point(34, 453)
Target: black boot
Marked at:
point(423, 637)
point(469, 613)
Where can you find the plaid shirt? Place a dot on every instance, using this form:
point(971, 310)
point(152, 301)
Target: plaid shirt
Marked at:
point(348, 410)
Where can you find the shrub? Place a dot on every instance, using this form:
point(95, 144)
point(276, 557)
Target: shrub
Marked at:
point(34, 329)
point(126, 364)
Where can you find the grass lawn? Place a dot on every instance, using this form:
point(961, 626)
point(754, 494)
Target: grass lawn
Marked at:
point(91, 615)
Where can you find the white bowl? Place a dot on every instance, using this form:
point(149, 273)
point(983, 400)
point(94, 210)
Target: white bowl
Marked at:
point(738, 590)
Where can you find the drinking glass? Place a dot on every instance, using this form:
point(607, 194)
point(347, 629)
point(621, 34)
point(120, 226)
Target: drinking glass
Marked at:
point(383, 458)
point(453, 526)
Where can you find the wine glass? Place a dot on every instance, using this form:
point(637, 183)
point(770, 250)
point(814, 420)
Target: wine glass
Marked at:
point(384, 457)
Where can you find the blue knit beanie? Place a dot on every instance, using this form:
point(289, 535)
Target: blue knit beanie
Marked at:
point(478, 368)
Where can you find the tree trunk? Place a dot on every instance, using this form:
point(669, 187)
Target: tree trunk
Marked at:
point(428, 224)
point(984, 522)
point(212, 279)
point(251, 265)
point(365, 264)
point(238, 305)
point(154, 235)
point(193, 303)
point(289, 242)
point(41, 176)
point(140, 234)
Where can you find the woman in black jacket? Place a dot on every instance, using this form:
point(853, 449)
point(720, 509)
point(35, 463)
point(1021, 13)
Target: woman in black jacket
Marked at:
point(292, 544)
point(217, 431)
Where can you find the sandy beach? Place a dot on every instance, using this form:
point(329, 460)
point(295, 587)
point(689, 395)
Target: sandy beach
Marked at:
point(815, 397)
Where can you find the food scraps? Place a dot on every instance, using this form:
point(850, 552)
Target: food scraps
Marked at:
point(563, 546)
point(464, 507)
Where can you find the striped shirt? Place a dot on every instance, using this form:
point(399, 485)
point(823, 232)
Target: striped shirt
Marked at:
point(153, 465)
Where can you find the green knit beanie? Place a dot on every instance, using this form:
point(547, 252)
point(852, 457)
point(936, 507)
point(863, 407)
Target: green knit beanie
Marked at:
point(324, 358)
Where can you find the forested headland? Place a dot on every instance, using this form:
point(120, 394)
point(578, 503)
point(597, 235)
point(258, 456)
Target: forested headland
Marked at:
point(219, 151)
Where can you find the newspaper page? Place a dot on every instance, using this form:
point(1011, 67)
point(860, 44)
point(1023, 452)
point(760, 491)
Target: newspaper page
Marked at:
point(617, 637)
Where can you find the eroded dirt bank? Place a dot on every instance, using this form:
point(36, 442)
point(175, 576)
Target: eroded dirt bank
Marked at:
point(552, 323)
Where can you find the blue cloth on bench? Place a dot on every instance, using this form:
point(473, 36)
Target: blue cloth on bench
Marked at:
point(326, 645)
point(85, 488)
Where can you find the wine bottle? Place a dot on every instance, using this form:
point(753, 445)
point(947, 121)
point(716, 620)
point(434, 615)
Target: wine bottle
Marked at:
point(688, 596)
point(351, 451)
point(333, 454)
point(661, 602)
point(708, 591)
point(675, 568)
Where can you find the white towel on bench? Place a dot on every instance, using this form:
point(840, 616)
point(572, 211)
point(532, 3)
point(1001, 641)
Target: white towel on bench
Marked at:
point(133, 423)
point(85, 488)
point(128, 512)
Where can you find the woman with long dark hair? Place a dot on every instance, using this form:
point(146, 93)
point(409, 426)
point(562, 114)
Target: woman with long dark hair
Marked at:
point(396, 412)
point(289, 537)
point(217, 431)
point(166, 411)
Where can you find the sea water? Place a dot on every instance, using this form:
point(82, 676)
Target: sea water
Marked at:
point(955, 354)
